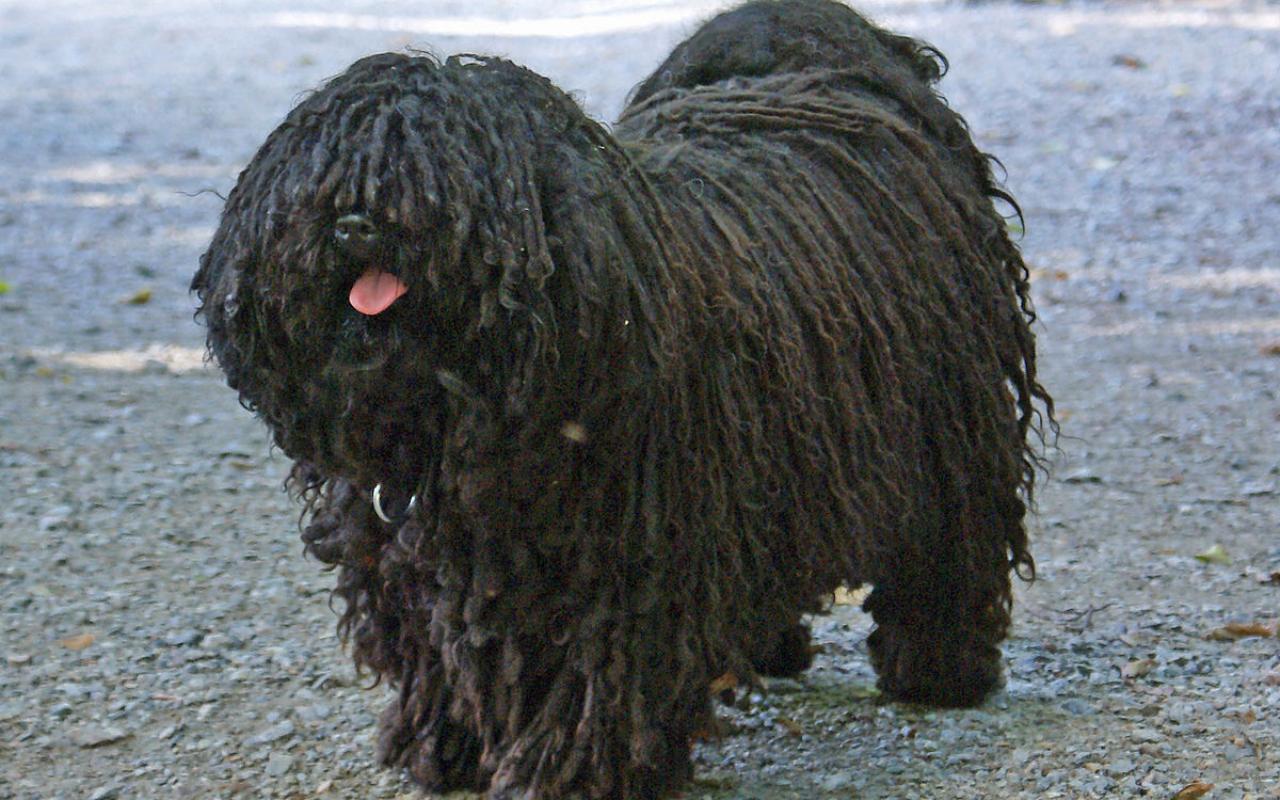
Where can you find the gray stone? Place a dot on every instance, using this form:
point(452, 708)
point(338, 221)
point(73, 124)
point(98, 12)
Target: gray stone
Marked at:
point(183, 638)
point(92, 735)
point(273, 734)
point(1078, 707)
point(278, 764)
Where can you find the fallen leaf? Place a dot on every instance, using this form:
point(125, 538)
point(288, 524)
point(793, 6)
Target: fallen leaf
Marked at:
point(1268, 349)
point(724, 683)
point(1039, 274)
point(1193, 790)
point(1132, 62)
point(18, 659)
point(1138, 668)
point(4, 287)
point(1239, 630)
point(575, 432)
point(1214, 555)
point(1269, 578)
point(1172, 480)
point(844, 596)
point(324, 786)
point(139, 298)
point(789, 725)
point(78, 642)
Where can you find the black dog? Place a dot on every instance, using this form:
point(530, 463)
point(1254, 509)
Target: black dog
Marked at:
point(588, 420)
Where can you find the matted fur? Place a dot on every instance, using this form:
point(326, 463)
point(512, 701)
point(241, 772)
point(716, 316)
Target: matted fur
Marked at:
point(659, 392)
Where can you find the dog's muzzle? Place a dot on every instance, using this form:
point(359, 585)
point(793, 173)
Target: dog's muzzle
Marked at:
point(357, 236)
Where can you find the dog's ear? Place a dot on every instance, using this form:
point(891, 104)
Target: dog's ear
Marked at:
point(562, 252)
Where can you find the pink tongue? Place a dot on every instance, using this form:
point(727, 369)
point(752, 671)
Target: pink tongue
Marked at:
point(375, 291)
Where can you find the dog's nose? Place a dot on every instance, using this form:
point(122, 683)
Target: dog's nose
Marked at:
point(356, 235)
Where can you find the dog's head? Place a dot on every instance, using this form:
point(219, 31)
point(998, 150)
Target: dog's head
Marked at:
point(395, 238)
point(417, 232)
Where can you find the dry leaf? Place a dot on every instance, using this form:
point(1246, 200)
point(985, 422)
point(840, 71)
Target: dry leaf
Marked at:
point(139, 298)
point(1214, 555)
point(575, 432)
point(1132, 62)
point(78, 642)
point(1138, 668)
point(1239, 630)
point(724, 683)
point(789, 725)
point(1193, 790)
point(4, 287)
point(850, 597)
point(1173, 480)
point(1270, 349)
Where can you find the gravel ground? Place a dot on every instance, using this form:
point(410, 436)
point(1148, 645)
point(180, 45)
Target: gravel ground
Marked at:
point(162, 636)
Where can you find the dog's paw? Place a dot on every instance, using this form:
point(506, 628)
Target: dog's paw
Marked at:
point(440, 755)
point(939, 668)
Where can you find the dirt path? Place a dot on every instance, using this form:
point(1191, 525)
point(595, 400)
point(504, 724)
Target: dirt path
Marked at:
point(162, 636)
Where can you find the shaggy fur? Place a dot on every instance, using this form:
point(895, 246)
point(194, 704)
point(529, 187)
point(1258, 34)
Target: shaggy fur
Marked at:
point(658, 391)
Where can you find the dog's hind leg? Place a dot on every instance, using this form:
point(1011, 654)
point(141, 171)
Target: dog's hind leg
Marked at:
point(931, 652)
point(941, 618)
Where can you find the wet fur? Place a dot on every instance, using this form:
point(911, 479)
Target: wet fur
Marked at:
point(659, 391)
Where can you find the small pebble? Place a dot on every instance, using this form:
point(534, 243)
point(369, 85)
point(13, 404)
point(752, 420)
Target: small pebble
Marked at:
point(89, 736)
point(278, 764)
point(274, 733)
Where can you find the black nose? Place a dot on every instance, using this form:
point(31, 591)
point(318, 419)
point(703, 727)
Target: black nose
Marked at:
point(356, 235)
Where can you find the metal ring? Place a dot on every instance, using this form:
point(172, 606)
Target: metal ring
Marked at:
point(382, 515)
